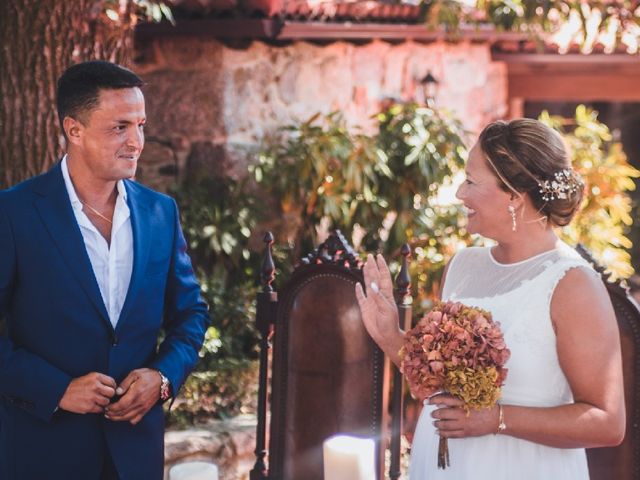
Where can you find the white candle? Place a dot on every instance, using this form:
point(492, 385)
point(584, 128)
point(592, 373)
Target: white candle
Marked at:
point(349, 458)
point(194, 471)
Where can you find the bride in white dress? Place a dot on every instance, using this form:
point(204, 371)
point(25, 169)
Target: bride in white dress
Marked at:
point(564, 389)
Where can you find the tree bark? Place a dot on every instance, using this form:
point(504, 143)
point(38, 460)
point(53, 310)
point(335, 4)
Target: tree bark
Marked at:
point(40, 39)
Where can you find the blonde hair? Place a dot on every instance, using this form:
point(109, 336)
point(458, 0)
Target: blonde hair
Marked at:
point(524, 153)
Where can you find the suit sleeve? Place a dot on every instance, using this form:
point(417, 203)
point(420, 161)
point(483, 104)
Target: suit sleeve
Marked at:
point(26, 380)
point(186, 316)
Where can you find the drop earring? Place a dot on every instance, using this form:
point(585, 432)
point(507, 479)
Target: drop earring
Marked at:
point(512, 212)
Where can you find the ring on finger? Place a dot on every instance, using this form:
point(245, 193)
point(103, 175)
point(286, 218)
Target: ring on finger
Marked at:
point(374, 287)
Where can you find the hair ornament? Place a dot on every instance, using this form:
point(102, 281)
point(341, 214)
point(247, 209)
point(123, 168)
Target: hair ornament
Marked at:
point(564, 184)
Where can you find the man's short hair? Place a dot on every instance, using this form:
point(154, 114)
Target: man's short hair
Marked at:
point(79, 86)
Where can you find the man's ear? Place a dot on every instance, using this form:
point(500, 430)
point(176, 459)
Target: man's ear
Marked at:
point(73, 129)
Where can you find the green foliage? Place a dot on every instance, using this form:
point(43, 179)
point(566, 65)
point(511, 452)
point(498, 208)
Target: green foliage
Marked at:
point(602, 224)
point(230, 388)
point(319, 169)
point(383, 188)
point(154, 10)
point(131, 11)
point(380, 189)
point(622, 18)
point(316, 172)
point(520, 14)
point(232, 333)
point(218, 217)
point(444, 13)
point(425, 149)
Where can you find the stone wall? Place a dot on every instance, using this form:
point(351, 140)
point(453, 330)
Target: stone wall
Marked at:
point(229, 444)
point(209, 104)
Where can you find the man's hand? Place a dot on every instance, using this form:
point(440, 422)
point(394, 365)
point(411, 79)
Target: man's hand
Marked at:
point(88, 394)
point(140, 391)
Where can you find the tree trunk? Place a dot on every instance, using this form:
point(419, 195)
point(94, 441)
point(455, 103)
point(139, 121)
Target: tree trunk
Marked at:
point(40, 39)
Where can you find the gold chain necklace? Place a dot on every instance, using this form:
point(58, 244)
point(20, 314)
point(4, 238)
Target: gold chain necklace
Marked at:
point(96, 212)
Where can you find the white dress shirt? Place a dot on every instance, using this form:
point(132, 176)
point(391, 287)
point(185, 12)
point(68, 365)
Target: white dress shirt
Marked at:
point(112, 265)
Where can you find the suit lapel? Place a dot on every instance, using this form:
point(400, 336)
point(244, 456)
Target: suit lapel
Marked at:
point(140, 227)
point(57, 214)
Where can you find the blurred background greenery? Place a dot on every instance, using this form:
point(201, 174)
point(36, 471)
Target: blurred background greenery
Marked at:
point(380, 189)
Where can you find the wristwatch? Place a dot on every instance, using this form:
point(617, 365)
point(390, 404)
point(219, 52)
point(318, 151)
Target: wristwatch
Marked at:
point(165, 387)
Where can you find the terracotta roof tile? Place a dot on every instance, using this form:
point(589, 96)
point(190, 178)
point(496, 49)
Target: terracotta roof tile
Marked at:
point(568, 39)
point(301, 10)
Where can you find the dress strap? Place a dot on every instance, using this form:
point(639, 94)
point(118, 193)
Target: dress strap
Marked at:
point(559, 270)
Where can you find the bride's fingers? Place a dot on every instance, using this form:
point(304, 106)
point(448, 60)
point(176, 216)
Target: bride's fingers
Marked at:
point(448, 413)
point(445, 400)
point(360, 296)
point(368, 310)
point(446, 424)
point(371, 273)
point(385, 306)
point(376, 311)
point(384, 277)
point(366, 303)
point(383, 301)
point(377, 286)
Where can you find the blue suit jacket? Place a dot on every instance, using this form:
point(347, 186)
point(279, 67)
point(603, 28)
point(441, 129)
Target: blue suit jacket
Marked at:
point(58, 329)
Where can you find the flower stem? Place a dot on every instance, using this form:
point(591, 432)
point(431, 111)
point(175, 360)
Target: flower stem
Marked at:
point(443, 453)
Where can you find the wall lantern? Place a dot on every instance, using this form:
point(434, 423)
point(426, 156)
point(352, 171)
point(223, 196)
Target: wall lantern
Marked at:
point(429, 85)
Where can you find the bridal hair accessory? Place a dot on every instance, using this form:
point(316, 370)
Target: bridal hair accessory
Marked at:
point(512, 212)
point(563, 184)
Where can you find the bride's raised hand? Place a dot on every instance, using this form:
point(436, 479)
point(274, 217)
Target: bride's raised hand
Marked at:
point(379, 311)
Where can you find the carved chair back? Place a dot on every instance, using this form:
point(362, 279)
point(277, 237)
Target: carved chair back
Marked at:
point(327, 375)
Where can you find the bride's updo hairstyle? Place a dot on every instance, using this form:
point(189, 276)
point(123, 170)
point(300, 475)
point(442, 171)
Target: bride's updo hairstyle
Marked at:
point(529, 157)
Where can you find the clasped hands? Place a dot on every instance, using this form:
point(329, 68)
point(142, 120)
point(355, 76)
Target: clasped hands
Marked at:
point(93, 393)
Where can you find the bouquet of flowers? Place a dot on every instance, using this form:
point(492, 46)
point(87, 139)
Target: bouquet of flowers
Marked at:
point(459, 350)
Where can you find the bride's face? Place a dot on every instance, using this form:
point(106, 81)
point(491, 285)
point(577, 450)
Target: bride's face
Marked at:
point(485, 201)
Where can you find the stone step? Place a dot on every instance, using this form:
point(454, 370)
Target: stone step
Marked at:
point(229, 444)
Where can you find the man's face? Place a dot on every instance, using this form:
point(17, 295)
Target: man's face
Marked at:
point(110, 137)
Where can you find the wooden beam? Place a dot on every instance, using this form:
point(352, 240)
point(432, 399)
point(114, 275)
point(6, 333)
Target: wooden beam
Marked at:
point(242, 28)
point(570, 59)
point(292, 30)
point(277, 29)
point(586, 86)
point(572, 77)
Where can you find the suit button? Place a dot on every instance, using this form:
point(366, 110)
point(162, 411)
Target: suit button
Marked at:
point(114, 341)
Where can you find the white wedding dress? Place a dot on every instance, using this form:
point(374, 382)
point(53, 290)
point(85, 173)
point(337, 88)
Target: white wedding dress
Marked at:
point(519, 297)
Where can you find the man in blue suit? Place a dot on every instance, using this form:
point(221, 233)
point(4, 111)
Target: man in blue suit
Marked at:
point(92, 267)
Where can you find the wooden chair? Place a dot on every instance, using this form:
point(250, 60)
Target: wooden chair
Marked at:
point(327, 375)
point(622, 462)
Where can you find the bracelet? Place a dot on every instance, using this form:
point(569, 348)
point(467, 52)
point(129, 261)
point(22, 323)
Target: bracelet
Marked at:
point(501, 425)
